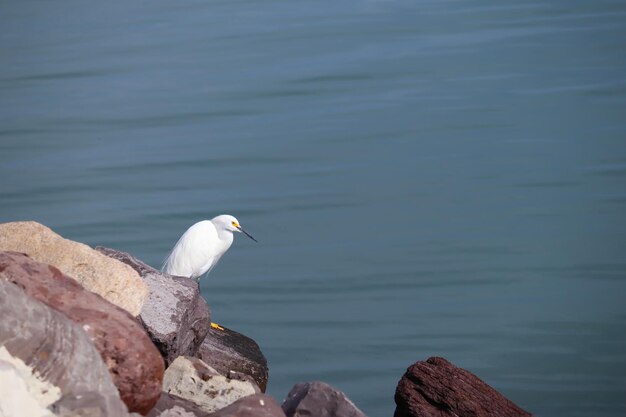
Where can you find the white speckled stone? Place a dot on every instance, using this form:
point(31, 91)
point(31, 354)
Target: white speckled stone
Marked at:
point(194, 380)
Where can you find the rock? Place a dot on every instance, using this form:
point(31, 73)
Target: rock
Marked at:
point(176, 316)
point(178, 320)
point(174, 406)
point(23, 393)
point(134, 363)
point(258, 405)
point(194, 380)
point(112, 280)
point(88, 404)
point(53, 358)
point(319, 399)
point(228, 351)
point(177, 411)
point(437, 388)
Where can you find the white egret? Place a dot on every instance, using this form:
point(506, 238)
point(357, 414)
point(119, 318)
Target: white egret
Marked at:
point(200, 248)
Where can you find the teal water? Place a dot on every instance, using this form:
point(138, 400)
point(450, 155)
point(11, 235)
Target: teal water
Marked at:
point(424, 177)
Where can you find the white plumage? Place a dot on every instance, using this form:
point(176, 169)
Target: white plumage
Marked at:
point(200, 248)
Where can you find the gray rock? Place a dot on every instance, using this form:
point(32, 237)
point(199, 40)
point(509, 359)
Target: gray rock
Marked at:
point(178, 320)
point(194, 380)
point(175, 315)
point(170, 405)
point(229, 352)
point(319, 399)
point(90, 404)
point(258, 405)
point(54, 359)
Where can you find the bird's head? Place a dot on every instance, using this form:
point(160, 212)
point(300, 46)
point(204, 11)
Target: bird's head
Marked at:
point(231, 224)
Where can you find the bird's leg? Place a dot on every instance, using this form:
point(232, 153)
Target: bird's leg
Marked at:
point(213, 325)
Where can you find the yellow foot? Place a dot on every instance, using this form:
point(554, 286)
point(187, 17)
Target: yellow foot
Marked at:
point(216, 326)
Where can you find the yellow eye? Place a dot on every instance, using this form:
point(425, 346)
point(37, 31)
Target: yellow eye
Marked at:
point(235, 224)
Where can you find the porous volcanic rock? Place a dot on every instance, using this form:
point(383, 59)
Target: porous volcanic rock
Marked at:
point(194, 380)
point(134, 363)
point(176, 316)
point(258, 405)
point(230, 352)
point(437, 388)
point(319, 399)
point(45, 358)
point(109, 278)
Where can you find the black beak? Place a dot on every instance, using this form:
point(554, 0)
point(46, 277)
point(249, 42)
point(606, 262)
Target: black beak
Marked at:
point(246, 233)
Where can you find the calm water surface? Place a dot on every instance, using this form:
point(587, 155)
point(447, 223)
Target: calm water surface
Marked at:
point(424, 177)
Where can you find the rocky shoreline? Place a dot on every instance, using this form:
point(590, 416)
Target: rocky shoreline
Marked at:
point(97, 332)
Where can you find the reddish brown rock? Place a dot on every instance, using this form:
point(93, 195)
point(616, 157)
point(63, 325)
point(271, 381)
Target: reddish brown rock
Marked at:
point(319, 399)
point(437, 388)
point(229, 353)
point(175, 316)
point(134, 363)
point(258, 405)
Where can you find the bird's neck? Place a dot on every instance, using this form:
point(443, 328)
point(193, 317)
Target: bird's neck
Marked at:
point(226, 236)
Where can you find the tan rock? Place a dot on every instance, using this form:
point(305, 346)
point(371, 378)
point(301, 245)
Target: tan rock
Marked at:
point(110, 278)
point(195, 381)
